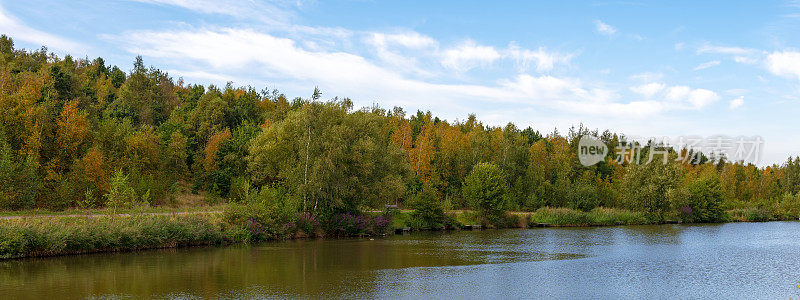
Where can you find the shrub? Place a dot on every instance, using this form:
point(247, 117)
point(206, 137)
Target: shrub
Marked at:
point(20, 184)
point(240, 190)
point(467, 218)
point(121, 194)
point(615, 216)
point(787, 207)
point(12, 243)
point(700, 201)
point(583, 193)
point(347, 224)
point(750, 214)
point(428, 212)
point(647, 187)
point(381, 224)
point(559, 216)
point(597, 216)
point(265, 215)
point(485, 189)
point(512, 221)
point(307, 223)
point(55, 236)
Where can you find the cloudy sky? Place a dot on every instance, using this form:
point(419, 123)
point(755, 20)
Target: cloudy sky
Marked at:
point(636, 67)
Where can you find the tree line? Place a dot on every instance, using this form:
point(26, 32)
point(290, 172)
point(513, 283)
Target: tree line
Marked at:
point(80, 133)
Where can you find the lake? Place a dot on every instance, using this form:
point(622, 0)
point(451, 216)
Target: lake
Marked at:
point(735, 260)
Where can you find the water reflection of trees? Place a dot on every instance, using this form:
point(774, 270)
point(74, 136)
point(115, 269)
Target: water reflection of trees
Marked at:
point(347, 267)
point(313, 267)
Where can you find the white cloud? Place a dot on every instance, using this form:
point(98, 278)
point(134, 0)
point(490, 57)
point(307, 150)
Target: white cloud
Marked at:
point(544, 87)
point(678, 93)
point(736, 103)
point(227, 50)
point(603, 28)
point(406, 51)
point(287, 62)
point(545, 61)
point(240, 48)
point(392, 48)
point(745, 60)
point(469, 55)
point(676, 97)
point(412, 40)
point(784, 63)
point(707, 65)
point(738, 54)
point(702, 97)
point(737, 91)
point(724, 50)
point(647, 76)
point(638, 109)
point(648, 90)
point(202, 75)
point(15, 28)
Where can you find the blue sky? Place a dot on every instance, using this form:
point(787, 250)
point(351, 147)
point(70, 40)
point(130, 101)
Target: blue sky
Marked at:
point(636, 67)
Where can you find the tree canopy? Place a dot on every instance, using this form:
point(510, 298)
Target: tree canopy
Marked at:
point(77, 132)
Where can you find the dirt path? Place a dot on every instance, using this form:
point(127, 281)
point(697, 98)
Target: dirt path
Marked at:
point(90, 215)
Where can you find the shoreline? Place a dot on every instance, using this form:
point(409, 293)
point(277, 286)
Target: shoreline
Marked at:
point(63, 235)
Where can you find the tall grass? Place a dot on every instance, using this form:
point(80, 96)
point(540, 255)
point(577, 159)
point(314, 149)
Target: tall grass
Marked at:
point(598, 216)
point(57, 236)
point(751, 214)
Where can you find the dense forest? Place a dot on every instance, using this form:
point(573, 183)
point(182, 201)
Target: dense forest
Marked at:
point(80, 133)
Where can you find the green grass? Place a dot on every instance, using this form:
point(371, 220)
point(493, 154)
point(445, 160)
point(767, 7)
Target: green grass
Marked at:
point(554, 216)
point(597, 217)
point(57, 233)
point(467, 217)
point(108, 211)
point(401, 220)
point(751, 214)
point(69, 235)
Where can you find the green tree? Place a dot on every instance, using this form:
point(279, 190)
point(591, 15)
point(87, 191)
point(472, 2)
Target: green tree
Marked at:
point(20, 183)
point(231, 157)
point(485, 189)
point(331, 160)
point(647, 187)
point(121, 194)
point(701, 200)
point(147, 96)
point(175, 156)
point(583, 194)
point(428, 211)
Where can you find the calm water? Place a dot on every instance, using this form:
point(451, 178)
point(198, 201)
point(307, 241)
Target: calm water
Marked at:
point(742, 260)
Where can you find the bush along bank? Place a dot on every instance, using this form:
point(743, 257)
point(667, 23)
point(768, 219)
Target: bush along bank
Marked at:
point(258, 221)
point(545, 216)
point(49, 236)
point(52, 236)
point(600, 216)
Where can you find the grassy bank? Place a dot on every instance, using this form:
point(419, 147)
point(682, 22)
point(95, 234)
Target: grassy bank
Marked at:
point(546, 215)
point(35, 236)
point(71, 235)
point(110, 211)
point(600, 216)
point(596, 217)
point(59, 235)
